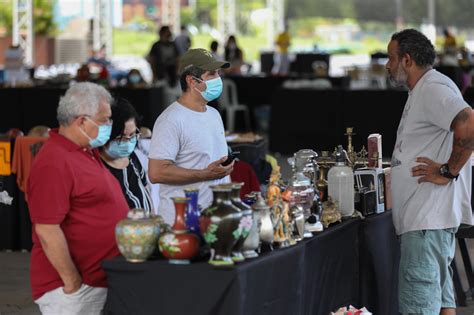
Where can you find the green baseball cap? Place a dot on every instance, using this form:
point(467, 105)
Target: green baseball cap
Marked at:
point(202, 59)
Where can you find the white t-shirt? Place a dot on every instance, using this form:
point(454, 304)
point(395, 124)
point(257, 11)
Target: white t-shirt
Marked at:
point(192, 140)
point(424, 131)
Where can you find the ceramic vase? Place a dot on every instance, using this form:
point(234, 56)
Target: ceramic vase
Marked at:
point(246, 222)
point(220, 226)
point(136, 236)
point(179, 245)
point(192, 211)
point(252, 242)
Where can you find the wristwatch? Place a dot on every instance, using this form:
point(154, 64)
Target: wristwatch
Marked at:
point(445, 172)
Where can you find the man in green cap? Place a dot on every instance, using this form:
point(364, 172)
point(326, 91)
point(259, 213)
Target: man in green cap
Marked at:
point(188, 144)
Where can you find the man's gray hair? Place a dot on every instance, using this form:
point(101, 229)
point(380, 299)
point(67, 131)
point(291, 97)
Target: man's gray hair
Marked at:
point(81, 99)
point(417, 45)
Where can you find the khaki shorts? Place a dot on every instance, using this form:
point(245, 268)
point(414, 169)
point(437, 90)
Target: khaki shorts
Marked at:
point(426, 277)
point(87, 300)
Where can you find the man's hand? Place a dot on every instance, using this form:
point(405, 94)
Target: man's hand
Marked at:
point(72, 285)
point(428, 171)
point(55, 247)
point(216, 171)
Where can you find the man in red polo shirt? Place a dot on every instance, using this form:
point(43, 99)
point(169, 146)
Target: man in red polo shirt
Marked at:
point(75, 203)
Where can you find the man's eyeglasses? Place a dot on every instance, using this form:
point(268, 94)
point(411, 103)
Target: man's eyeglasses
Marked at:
point(135, 136)
point(108, 122)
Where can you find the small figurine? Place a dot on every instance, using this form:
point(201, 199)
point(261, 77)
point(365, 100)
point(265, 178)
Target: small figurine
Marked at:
point(330, 213)
point(274, 192)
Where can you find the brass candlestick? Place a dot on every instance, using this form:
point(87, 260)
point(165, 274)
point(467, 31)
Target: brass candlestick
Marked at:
point(351, 154)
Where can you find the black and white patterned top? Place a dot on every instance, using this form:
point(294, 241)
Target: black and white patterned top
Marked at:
point(134, 184)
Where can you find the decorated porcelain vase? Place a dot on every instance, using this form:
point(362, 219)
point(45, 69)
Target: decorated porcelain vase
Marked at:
point(192, 211)
point(178, 245)
point(220, 226)
point(136, 236)
point(246, 222)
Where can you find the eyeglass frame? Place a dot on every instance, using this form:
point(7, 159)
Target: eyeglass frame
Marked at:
point(122, 138)
point(108, 123)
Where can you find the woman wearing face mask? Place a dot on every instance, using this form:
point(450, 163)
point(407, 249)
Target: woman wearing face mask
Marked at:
point(118, 156)
point(234, 55)
point(135, 79)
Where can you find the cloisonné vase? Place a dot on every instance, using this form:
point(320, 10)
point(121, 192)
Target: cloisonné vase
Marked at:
point(246, 222)
point(179, 246)
point(220, 226)
point(192, 211)
point(136, 236)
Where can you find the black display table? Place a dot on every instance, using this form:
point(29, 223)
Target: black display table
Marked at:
point(316, 119)
point(314, 277)
point(25, 108)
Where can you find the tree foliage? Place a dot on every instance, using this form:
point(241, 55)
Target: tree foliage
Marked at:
point(448, 12)
point(43, 16)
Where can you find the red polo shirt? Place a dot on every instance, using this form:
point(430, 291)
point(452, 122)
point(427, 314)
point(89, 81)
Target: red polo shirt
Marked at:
point(69, 186)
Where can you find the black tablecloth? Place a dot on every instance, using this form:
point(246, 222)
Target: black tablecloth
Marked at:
point(379, 261)
point(303, 62)
point(9, 215)
point(25, 108)
point(316, 119)
point(313, 277)
point(259, 90)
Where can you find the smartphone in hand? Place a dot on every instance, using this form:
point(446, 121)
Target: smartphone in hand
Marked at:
point(230, 157)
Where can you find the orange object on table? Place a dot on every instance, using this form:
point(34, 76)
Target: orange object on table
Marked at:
point(5, 158)
point(25, 150)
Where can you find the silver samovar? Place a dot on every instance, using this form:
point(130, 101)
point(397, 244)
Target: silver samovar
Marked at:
point(302, 187)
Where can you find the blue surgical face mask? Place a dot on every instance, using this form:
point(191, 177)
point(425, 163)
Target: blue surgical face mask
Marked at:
point(102, 136)
point(135, 78)
point(119, 149)
point(213, 89)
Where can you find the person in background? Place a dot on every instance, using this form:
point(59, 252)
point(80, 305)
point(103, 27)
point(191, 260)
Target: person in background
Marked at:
point(75, 204)
point(449, 45)
point(98, 58)
point(188, 144)
point(135, 79)
point(281, 60)
point(83, 74)
point(244, 173)
point(234, 55)
point(431, 176)
point(15, 71)
point(214, 50)
point(119, 157)
point(163, 58)
point(183, 41)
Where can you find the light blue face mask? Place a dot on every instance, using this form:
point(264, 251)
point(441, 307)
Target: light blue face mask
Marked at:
point(213, 89)
point(119, 149)
point(102, 136)
point(135, 78)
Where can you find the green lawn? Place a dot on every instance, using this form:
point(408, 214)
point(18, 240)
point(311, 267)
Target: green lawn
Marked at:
point(139, 44)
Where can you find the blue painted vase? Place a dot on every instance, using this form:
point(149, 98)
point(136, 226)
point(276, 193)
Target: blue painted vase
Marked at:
point(192, 211)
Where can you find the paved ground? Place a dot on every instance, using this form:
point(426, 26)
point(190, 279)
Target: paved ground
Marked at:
point(15, 296)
